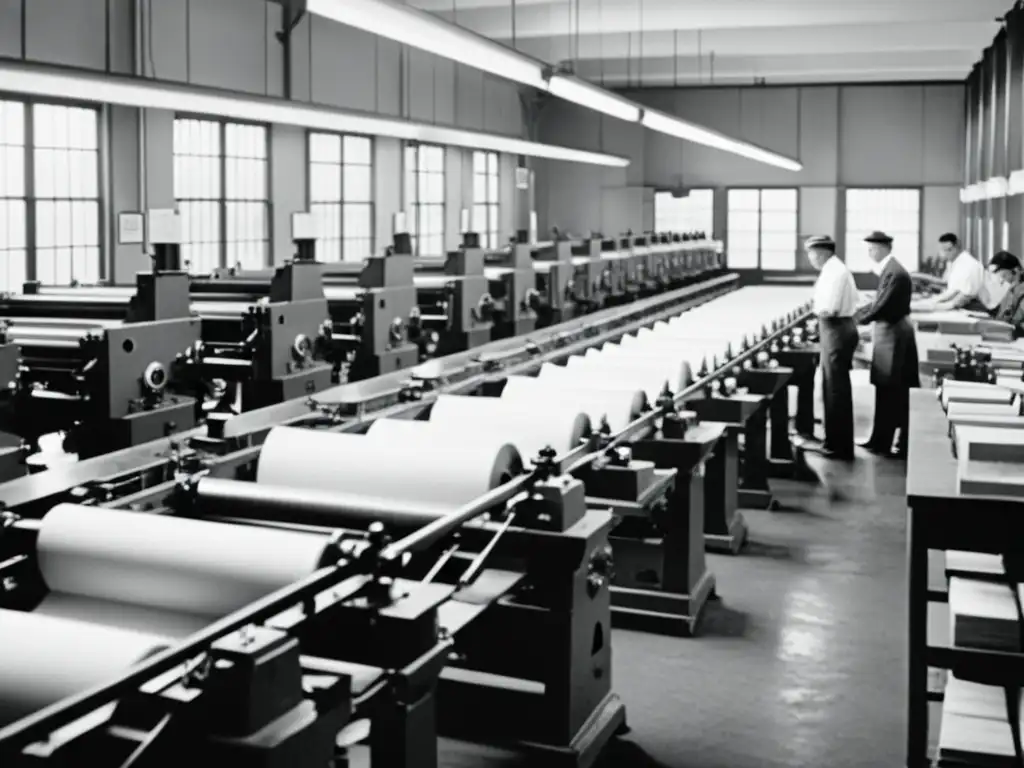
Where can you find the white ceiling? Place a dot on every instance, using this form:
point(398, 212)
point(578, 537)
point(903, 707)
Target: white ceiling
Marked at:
point(705, 42)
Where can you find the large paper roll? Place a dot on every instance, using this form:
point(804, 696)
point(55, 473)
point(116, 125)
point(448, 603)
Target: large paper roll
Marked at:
point(44, 660)
point(674, 367)
point(416, 463)
point(168, 563)
point(529, 430)
point(650, 378)
point(599, 400)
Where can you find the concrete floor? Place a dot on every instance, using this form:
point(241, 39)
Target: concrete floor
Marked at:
point(801, 662)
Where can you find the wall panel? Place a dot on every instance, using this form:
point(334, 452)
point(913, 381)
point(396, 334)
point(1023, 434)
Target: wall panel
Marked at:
point(885, 135)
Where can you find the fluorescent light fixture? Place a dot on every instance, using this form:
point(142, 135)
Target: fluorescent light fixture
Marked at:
point(410, 26)
point(57, 83)
point(1016, 183)
point(682, 129)
point(996, 188)
point(418, 29)
point(593, 97)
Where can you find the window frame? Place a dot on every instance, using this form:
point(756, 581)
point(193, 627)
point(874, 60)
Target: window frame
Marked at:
point(900, 188)
point(660, 190)
point(372, 202)
point(487, 204)
point(796, 235)
point(222, 200)
point(29, 197)
point(413, 209)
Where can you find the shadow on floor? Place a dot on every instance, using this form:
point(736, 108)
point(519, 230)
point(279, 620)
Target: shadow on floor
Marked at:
point(719, 620)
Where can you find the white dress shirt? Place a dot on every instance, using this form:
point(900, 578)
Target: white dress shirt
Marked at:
point(879, 266)
point(835, 292)
point(967, 277)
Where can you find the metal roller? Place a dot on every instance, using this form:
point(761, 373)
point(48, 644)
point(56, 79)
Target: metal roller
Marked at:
point(220, 310)
point(44, 336)
point(432, 282)
point(256, 286)
point(342, 293)
point(253, 501)
point(70, 305)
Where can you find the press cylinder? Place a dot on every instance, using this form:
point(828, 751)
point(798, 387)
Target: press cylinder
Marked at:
point(162, 574)
point(216, 497)
point(542, 425)
point(619, 405)
point(416, 465)
point(45, 659)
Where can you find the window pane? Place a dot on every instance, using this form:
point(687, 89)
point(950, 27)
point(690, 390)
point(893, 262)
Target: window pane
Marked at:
point(778, 260)
point(895, 211)
point(744, 200)
point(358, 186)
point(778, 200)
point(66, 158)
point(742, 258)
point(479, 163)
point(324, 148)
point(358, 150)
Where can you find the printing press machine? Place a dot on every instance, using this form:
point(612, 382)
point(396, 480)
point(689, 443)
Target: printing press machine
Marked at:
point(107, 370)
point(374, 321)
point(368, 649)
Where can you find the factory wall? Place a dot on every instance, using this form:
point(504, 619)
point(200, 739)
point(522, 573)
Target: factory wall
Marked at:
point(845, 136)
point(234, 45)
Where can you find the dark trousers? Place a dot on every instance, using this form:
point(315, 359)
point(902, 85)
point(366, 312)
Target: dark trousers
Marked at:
point(838, 344)
point(892, 412)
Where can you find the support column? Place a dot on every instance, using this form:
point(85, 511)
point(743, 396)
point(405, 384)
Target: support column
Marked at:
point(1014, 123)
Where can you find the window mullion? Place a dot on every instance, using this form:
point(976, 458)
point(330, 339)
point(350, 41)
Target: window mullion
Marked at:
point(30, 193)
point(223, 250)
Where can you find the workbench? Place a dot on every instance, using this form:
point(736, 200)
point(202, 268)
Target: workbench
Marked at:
point(939, 518)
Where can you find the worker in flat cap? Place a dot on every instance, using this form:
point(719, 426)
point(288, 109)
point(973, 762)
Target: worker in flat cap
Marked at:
point(894, 362)
point(835, 302)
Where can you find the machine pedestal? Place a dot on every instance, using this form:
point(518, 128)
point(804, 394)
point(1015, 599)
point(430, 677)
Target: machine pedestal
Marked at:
point(662, 582)
point(804, 363)
point(725, 530)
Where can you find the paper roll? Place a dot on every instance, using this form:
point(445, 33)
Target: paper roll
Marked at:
point(650, 378)
point(695, 353)
point(529, 430)
point(599, 400)
point(411, 461)
point(44, 660)
point(674, 365)
point(169, 563)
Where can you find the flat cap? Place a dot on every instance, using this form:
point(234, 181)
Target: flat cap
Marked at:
point(878, 237)
point(820, 241)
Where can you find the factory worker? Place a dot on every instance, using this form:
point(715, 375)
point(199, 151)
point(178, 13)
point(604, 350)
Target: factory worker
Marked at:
point(1006, 269)
point(967, 286)
point(835, 302)
point(894, 364)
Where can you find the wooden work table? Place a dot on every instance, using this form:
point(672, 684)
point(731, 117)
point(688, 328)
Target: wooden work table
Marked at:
point(940, 518)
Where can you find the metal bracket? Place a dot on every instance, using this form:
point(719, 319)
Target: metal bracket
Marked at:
point(294, 10)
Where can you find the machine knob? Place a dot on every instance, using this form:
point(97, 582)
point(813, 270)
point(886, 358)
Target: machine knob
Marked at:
point(601, 570)
point(301, 347)
point(155, 377)
point(397, 331)
point(484, 308)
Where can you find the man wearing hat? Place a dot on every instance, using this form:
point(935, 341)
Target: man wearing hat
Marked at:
point(835, 302)
point(894, 355)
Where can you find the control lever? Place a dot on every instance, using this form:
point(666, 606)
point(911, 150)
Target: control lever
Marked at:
point(442, 561)
point(477, 565)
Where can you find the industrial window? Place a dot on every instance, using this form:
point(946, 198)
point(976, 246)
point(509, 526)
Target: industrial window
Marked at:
point(897, 212)
point(49, 167)
point(762, 226)
point(424, 198)
point(485, 197)
point(13, 196)
point(341, 194)
point(693, 213)
point(220, 184)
